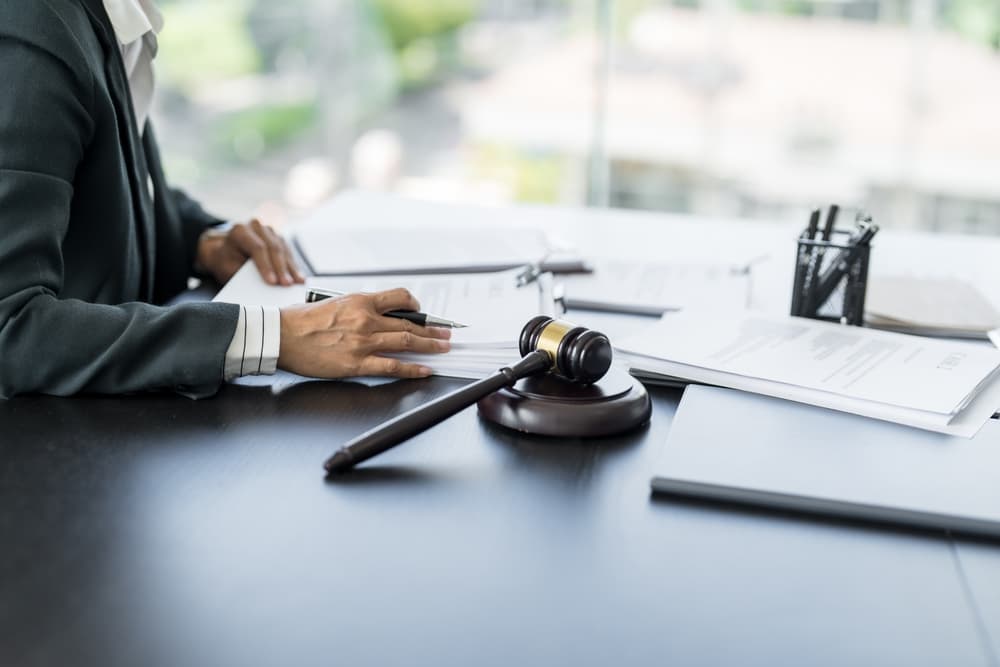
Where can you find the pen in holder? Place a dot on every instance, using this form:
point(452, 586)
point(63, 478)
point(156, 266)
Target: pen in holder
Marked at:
point(831, 271)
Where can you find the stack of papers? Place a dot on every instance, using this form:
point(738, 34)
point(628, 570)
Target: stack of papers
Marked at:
point(491, 304)
point(944, 386)
point(929, 307)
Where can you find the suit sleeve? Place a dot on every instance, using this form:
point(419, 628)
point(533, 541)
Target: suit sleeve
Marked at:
point(62, 346)
point(194, 220)
point(191, 212)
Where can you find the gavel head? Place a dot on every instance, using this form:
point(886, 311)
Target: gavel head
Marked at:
point(577, 353)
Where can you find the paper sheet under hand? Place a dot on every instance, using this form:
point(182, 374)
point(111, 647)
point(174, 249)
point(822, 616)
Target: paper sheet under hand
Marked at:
point(491, 304)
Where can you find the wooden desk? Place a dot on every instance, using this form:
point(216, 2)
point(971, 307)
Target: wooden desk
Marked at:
point(155, 530)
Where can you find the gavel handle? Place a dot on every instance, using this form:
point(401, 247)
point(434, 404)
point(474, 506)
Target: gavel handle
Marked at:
point(419, 419)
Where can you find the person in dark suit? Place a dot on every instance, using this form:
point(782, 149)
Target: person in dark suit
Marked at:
point(93, 240)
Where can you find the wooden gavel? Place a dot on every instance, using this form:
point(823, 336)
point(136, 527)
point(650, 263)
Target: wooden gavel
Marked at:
point(577, 354)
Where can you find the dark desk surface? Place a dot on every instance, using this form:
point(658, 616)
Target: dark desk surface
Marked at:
point(156, 530)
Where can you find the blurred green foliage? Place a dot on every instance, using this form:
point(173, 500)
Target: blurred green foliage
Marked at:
point(531, 177)
point(206, 42)
point(422, 34)
point(978, 19)
point(247, 134)
point(975, 19)
point(406, 21)
point(203, 42)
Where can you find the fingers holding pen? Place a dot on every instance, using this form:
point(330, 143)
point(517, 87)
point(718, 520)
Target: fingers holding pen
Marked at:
point(349, 335)
point(394, 299)
point(396, 324)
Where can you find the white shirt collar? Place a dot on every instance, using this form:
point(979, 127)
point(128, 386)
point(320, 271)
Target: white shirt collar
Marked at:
point(131, 19)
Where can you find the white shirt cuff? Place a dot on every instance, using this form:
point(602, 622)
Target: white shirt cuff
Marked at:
point(255, 345)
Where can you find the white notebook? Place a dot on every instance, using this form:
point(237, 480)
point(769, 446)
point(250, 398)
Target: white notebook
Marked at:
point(736, 447)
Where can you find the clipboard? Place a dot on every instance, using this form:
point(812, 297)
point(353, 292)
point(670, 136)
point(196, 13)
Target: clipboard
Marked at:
point(385, 251)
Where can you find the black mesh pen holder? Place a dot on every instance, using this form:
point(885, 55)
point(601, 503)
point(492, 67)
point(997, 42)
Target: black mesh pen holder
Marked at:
point(831, 278)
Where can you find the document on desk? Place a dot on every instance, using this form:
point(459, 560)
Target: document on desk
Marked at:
point(944, 307)
point(948, 386)
point(655, 287)
point(491, 304)
point(366, 233)
point(330, 251)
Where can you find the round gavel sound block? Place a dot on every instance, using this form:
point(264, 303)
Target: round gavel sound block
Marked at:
point(551, 405)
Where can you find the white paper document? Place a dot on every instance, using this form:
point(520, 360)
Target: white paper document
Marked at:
point(932, 384)
point(365, 233)
point(491, 304)
point(929, 306)
point(653, 288)
point(329, 250)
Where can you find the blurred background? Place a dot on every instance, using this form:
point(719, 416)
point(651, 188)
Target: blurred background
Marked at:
point(757, 108)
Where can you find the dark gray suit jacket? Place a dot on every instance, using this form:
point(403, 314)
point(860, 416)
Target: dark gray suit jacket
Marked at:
point(85, 251)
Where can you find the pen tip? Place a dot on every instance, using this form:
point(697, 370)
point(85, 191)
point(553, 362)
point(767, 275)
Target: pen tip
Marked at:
point(459, 325)
point(339, 462)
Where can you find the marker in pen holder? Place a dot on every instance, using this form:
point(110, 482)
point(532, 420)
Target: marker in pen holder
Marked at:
point(844, 302)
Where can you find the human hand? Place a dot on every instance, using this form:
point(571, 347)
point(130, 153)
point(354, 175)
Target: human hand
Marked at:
point(346, 336)
point(222, 253)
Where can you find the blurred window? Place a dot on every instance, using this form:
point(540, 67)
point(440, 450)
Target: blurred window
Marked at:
point(758, 108)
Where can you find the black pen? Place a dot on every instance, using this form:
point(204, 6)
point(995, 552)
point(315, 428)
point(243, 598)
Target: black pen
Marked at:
point(819, 253)
point(423, 319)
point(809, 279)
point(831, 219)
point(841, 264)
